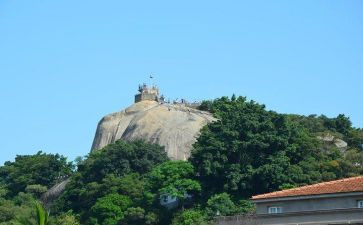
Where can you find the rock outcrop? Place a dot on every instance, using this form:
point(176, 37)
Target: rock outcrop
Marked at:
point(54, 192)
point(174, 126)
point(330, 139)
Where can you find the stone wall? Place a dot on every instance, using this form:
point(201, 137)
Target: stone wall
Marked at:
point(237, 220)
point(145, 96)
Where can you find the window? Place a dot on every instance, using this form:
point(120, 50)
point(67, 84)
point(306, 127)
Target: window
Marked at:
point(274, 209)
point(360, 204)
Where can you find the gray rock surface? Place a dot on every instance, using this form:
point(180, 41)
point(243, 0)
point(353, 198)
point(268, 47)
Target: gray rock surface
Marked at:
point(326, 137)
point(339, 143)
point(174, 126)
point(54, 192)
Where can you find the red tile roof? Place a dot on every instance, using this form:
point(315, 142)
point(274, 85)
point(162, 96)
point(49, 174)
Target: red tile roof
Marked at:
point(353, 184)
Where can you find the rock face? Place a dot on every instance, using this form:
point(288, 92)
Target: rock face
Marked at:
point(54, 192)
point(339, 143)
point(174, 126)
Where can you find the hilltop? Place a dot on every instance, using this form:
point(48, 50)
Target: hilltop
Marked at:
point(172, 125)
point(243, 150)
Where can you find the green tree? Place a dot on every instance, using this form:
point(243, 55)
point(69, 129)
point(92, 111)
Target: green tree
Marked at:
point(245, 207)
point(134, 216)
point(42, 214)
point(287, 186)
point(251, 150)
point(355, 138)
point(138, 216)
point(175, 179)
point(3, 192)
point(109, 210)
point(121, 158)
point(7, 210)
point(67, 218)
point(343, 124)
point(19, 209)
point(190, 217)
point(340, 127)
point(115, 169)
point(41, 168)
point(220, 205)
point(36, 189)
point(36, 214)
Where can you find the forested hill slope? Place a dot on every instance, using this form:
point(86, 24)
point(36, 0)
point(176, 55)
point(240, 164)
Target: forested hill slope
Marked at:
point(248, 150)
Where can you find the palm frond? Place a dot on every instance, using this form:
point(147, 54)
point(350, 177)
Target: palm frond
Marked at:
point(42, 214)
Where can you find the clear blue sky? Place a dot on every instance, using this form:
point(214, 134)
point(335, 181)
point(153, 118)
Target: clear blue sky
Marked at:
point(65, 64)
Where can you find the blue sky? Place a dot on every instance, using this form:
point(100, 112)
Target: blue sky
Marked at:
point(65, 64)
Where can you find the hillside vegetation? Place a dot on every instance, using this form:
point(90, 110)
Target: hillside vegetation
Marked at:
point(249, 150)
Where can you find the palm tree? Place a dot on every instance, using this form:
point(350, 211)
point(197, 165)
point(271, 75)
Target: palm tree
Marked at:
point(42, 214)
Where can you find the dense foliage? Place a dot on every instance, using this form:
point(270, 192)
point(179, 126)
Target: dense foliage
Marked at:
point(190, 217)
point(174, 179)
point(248, 150)
point(39, 169)
point(251, 150)
point(23, 181)
point(340, 126)
point(108, 177)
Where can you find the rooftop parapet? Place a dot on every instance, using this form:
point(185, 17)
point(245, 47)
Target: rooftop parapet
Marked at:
point(147, 93)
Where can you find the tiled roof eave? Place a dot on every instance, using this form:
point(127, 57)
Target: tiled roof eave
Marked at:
point(313, 196)
point(353, 184)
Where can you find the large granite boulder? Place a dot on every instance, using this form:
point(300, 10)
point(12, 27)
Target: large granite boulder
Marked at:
point(330, 139)
point(54, 192)
point(174, 126)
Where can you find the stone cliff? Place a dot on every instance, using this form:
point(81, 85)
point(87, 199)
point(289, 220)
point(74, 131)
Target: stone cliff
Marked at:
point(174, 126)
